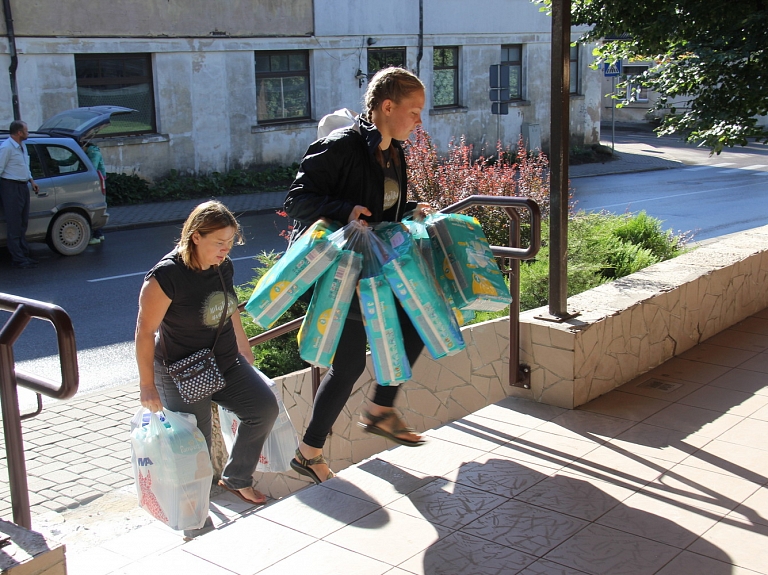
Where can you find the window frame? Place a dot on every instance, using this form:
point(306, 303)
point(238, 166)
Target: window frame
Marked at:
point(457, 70)
point(518, 64)
point(305, 73)
point(632, 86)
point(575, 69)
point(393, 49)
point(125, 80)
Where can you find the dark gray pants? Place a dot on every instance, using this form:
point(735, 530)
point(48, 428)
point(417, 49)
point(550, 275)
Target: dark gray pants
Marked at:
point(15, 198)
point(248, 397)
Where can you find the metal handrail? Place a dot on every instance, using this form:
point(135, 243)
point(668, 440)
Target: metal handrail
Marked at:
point(514, 252)
point(22, 311)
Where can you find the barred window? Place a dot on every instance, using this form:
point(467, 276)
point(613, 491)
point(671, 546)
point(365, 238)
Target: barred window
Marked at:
point(574, 67)
point(118, 80)
point(380, 58)
point(445, 76)
point(282, 86)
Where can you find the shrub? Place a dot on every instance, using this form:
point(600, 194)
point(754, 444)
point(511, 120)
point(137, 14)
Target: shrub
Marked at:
point(444, 181)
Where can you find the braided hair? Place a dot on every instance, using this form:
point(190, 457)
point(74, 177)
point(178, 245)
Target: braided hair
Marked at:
point(389, 84)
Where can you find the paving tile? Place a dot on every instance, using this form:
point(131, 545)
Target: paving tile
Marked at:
point(718, 355)
point(759, 363)
point(520, 412)
point(694, 563)
point(693, 420)
point(749, 432)
point(725, 400)
point(544, 567)
point(583, 497)
point(740, 340)
point(625, 405)
point(380, 481)
point(326, 559)
point(668, 522)
point(94, 561)
point(464, 554)
point(501, 475)
point(752, 382)
point(753, 324)
point(754, 508)
point(579, 424)
point(731, 459)
point(478, 432)
point(318, 511)
point(525, 527)
point(701, 488)
point(602, 551)
point(547, 449)
point(408, 535)
point(743, 543)
point(174, 562)
point(266, 542)
point(143, 541)
point(687, 370)
point(446, 503)
point(616, 466)
point(761, 414)
point(657, 442)
point(659, 387)
point(436, 457)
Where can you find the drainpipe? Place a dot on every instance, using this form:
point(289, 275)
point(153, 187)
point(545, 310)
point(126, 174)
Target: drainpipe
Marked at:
point(14, 59)
point(421, 37)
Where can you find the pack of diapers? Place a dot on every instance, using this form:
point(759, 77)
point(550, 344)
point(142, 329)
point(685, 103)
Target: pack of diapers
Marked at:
point(304, 261)
point(321, 329)
point(466, 264)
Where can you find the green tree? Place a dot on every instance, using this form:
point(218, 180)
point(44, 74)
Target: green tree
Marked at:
point(709, 55)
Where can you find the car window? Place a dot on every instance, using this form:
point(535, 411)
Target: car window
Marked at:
point(60, 160)
point(35, 166)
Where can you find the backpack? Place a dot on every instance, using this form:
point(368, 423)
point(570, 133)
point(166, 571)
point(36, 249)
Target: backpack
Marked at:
point(343, 118)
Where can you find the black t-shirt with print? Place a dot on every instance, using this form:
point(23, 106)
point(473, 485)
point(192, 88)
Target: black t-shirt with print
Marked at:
point(197, 301)
point(393, 191)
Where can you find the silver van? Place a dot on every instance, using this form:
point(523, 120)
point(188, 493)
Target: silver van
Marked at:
point(72, 198)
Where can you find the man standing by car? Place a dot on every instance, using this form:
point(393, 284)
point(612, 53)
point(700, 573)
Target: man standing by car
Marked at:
point(14, 192)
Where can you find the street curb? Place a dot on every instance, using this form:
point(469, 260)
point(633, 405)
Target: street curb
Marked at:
point(155, 223)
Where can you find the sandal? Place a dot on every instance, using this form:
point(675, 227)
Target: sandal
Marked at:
point(301, 465)
point(391, 435)
point(260, 500)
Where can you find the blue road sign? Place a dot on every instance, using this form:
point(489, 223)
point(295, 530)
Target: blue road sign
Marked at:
point(611, 70)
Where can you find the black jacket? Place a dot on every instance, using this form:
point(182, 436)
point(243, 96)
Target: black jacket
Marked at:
point(339, 172)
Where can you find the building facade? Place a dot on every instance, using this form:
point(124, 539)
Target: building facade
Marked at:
point(238, 84)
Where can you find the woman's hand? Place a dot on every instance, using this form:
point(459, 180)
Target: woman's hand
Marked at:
point(422, 210)
point(358, 211)
point(150, 398)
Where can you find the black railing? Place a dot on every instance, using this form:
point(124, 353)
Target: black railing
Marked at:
point(514, 252)
point(22, 311)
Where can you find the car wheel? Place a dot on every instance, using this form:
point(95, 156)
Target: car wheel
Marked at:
point(69, 233)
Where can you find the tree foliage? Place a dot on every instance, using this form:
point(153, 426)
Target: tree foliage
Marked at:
point(711, 57)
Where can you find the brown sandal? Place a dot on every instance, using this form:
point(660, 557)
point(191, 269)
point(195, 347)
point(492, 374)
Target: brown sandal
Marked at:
point(301, 465)
point(260, 500)
point(394, 434)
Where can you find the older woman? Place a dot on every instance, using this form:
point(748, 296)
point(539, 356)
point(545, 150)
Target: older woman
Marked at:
point(182, 298)
point(359, 173)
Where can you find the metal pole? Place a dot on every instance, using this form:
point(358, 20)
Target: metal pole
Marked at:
point(559, 134)
point(613, 112)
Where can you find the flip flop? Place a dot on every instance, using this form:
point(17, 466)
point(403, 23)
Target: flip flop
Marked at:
point(261, 500)
point(301, 465)
point(394, 434)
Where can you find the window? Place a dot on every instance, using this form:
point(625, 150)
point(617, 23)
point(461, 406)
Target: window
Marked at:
point(379, 58)
point(118, 80)
point(445, 62)
point(512, 56)
point(49, 160)
point(636, 91)
point(282, 86)
point(574, 87)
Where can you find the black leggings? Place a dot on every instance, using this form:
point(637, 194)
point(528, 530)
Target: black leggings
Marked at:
point(348, 366)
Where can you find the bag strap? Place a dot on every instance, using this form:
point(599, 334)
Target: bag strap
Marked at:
point(218, 331)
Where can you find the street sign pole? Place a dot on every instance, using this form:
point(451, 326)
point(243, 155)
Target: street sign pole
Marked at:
point(613, 113)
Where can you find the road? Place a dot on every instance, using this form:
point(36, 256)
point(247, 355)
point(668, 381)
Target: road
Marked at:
point(99, 290)
point(708, 195)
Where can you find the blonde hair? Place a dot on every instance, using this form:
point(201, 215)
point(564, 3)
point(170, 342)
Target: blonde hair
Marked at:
point(389, 84)
point(206, 218)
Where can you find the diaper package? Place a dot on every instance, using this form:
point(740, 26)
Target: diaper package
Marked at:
point(466, 263)
point(293, 274)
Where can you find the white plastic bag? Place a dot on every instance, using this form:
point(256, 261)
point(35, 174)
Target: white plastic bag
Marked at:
point(171, 467)
point(281, 443)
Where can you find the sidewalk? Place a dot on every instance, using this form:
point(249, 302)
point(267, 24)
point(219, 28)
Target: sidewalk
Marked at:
point(666, 475)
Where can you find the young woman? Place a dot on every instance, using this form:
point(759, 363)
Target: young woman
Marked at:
point(359, 173)
point(182, 300)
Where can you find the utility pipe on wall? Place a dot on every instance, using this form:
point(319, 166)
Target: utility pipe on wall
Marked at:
point(14, 59)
